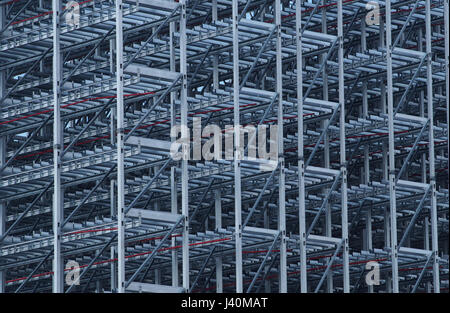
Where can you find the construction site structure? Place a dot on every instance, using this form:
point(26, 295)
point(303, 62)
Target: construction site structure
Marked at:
point(94, 95)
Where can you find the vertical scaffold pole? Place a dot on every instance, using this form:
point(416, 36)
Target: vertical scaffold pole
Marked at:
point(433, 211)
point(237, 152)
point(173, 182)
point(216, 57)
point(217, 194)
point(391, 139)
point(345, 246)
point(326, 143)
point(184, 134)
point(281, 191)
point(301, 161)
point(120, 152)
point(218, 218)
point(58, 266)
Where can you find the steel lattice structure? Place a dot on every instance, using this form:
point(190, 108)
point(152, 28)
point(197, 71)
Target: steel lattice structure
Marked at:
point(90, 91)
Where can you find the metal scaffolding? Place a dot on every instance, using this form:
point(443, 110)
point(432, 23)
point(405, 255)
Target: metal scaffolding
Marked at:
point(95, 95)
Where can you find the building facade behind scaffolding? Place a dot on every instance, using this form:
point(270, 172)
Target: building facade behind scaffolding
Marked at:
point(128, 160)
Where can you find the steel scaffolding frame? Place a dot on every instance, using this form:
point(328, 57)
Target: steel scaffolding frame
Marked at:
point(87, 111)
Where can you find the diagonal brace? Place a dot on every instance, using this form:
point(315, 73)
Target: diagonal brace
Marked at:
point(202, 269)
point(422, 273)
point(154, 252)
point(329, 266)
point(261, 266)
point(414, 218)
point(411, 152)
